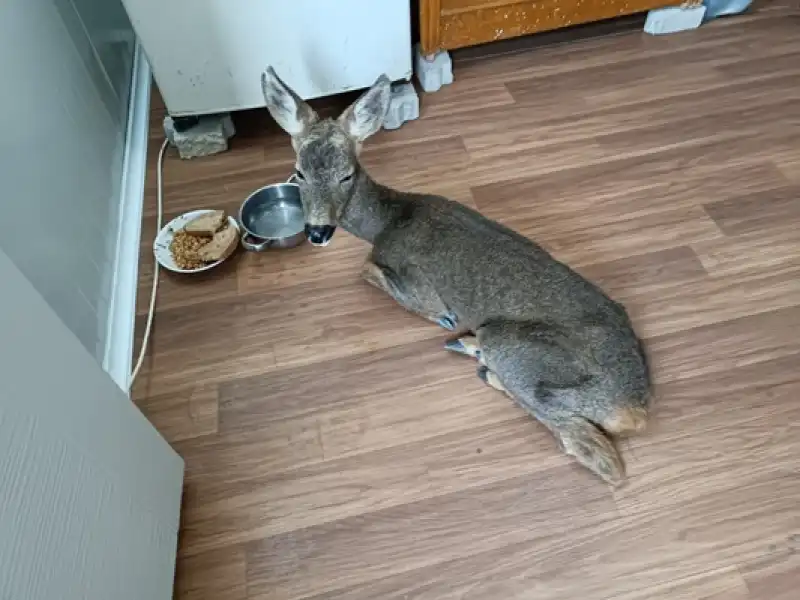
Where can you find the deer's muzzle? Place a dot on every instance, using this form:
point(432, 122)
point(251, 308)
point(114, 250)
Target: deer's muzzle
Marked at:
point(319, 235)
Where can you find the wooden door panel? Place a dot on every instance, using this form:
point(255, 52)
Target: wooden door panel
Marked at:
point(450, 24)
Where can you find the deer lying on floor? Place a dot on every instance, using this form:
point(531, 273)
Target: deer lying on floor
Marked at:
point(544, 335)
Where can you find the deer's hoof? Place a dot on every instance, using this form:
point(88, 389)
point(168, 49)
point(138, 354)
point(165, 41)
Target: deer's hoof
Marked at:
point(447, 322)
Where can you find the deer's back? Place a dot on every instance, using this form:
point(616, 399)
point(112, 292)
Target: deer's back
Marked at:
point(483, 270)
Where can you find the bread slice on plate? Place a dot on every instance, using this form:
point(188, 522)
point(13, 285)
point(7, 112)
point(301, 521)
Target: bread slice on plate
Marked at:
point(207, 224)
point(221, 245)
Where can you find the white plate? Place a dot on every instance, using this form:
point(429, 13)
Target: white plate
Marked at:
point(164, 239)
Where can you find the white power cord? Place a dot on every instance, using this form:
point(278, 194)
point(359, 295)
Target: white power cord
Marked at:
point(159, 216)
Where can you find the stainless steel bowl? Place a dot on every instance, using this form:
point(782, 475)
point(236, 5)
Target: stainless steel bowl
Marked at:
point(272, 217)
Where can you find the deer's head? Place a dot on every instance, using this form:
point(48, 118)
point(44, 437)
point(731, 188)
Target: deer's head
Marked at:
point(327, 166)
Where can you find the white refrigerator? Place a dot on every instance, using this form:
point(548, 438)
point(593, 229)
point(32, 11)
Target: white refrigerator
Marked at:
point(207, 55)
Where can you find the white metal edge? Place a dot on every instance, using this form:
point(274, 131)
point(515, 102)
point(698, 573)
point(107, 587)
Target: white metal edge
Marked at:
point(118, 358)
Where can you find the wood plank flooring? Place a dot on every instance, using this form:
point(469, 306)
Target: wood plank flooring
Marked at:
point(334, 450)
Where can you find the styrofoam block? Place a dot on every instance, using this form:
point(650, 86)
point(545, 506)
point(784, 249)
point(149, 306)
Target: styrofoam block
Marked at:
point(722, 8)
point(673, 19)
point(403, 105)
point(433, 71)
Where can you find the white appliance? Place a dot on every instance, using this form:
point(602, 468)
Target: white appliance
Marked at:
point(90, 493)
point(207, 56)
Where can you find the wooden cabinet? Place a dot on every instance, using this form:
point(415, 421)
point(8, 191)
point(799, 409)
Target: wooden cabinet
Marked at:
point(450, 24)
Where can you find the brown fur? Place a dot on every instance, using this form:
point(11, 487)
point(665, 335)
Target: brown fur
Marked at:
point(626, 420)
point(553, 341)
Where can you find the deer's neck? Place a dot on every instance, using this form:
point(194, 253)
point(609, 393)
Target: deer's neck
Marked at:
point(371, 209)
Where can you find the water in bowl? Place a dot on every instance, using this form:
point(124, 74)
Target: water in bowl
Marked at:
point(277, 221)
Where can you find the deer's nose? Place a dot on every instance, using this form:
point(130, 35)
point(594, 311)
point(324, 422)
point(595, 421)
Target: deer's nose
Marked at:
point(319, 235)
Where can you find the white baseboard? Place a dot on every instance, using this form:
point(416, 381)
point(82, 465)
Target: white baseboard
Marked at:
point(118, 359)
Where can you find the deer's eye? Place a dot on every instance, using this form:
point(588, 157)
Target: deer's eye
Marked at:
point(346, 178)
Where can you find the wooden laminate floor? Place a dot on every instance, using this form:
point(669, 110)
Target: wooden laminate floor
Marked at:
point(333, 448)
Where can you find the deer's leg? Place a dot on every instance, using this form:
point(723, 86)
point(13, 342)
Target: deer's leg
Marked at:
point(533, 365)
point(467, 345)
point(491, 379)
point(412, 292)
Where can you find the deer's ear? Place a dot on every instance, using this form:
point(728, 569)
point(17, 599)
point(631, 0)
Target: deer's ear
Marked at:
point(285, 106)
point(365, 116)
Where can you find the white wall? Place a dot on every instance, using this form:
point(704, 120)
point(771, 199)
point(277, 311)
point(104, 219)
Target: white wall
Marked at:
point(63, 112)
